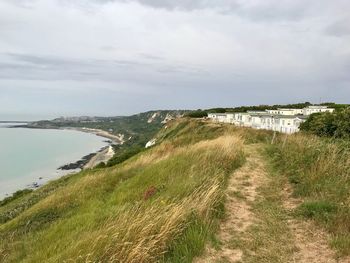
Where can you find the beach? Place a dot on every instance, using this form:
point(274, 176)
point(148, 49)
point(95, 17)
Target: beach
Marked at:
point(116, 139)
point(102, 156)
point(32, 157)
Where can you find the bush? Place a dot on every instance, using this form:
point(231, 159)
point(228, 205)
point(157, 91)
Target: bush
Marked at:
point(327, 124)
point(197, 114)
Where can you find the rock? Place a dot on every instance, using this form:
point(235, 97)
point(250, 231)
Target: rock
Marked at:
point(150, 143)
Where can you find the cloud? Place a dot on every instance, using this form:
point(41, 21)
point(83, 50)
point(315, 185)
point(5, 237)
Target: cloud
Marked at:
point(35, 67)
point(267, 10)
point(181, 4)
point(339, 28)
point(172, 54)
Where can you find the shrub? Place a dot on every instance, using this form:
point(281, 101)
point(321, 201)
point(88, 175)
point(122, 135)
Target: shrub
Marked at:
point(197, 114)
point(327, 124)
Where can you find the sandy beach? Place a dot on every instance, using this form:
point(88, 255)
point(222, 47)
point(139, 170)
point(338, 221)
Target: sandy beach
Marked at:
point(102, 156)
point(117, 139)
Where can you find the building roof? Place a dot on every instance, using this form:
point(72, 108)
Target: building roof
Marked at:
point(287, 109)
point(256, 112)
point(317, 107)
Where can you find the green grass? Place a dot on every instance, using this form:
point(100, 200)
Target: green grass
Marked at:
point(102, 214)
point(164, 204)
point(268, 239)
point(322, 210)
point(318, 170)
point(190, 244)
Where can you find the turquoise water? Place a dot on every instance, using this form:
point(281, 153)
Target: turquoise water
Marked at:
point(28, 154)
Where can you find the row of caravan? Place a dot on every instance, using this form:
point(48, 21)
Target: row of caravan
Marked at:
point(281, 120)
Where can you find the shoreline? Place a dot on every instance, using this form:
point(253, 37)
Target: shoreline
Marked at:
point(103, 156)
point(88, 161)
point(116, 139)
point(93, 159)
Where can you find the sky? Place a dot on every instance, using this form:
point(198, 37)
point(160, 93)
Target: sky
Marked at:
point(119, 57)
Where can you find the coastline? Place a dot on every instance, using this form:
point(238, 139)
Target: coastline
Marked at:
point(93, 159)
point(102, 156)
point(116, 139)
point(86, 162)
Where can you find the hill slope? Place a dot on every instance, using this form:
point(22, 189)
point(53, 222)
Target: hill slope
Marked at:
point(159, 205)
point(204, 193)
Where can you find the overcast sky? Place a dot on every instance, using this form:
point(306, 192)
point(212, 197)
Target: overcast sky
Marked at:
point(116, 57)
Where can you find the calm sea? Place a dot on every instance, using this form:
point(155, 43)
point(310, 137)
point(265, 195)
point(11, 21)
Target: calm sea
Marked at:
point(29, 154)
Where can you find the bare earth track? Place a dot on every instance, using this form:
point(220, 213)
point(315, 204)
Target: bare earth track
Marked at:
point(300, 241)
point(311, 242)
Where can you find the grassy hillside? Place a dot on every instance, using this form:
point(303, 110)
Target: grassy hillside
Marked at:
point(165, 203)
point(159, 205)
point(319, 171)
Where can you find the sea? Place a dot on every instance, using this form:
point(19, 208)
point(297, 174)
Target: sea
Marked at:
point(32, 156)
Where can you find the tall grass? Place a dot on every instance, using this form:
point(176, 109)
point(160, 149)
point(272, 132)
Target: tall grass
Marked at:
point(319, 170)
point(105, 215)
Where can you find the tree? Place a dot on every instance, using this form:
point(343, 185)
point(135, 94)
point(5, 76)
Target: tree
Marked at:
point(327, 124)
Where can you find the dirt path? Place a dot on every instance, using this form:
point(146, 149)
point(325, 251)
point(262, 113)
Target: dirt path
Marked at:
point(259, 226)
point(311, 242)
point(241, 193)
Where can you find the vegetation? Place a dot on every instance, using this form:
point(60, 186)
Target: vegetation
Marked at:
point(268, 107)
point(15, 195)
point(164, 203)
point(319, 171)
point(327, 124)
point(197, 114)
point(159, 205)
point(203, 113)
point(137, 129)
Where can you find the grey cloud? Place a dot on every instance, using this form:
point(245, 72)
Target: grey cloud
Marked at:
point(150, 56)
point(273, 11)
point(25, 66)
point(41, 60)
point(267, 10)
point(108, 48)
point(339, 28)
point(122, 62)
point(181, 4)
point(163, 54)
point(28, 4)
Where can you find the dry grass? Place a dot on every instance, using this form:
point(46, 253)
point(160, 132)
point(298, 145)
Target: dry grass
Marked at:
point(103, 217)
point(319, 170)
point(147, 236)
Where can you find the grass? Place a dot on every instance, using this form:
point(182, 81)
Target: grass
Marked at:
point(319, 170)
point(162, 204)
point(322, 210)
point(269, 238)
